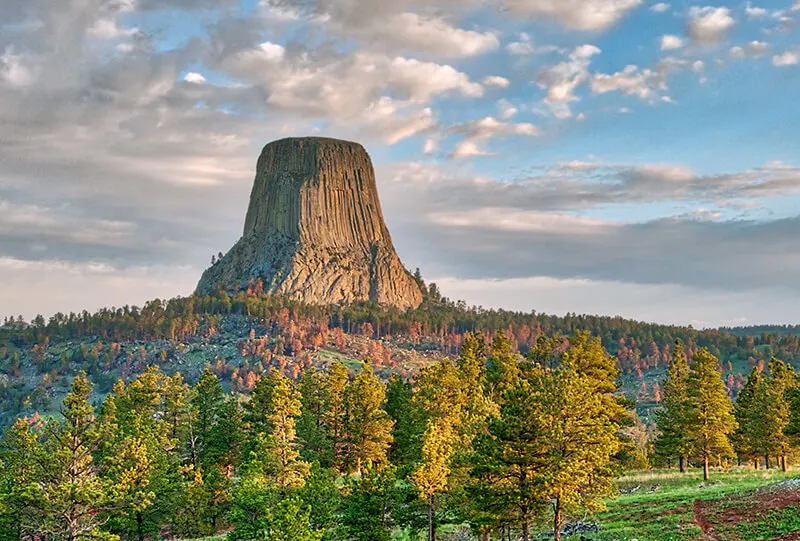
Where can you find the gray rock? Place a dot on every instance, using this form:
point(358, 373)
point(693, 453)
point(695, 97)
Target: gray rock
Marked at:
point(314, 230)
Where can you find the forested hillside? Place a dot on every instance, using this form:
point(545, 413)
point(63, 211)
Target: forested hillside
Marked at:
point(242, 336)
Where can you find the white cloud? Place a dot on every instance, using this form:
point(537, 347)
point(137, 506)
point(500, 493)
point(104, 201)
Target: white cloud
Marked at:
point(394, 120)
point(522, 47)
point(709, 24)
point(468, 149)
point(755, 12)
point(496, 81)
point(424, 80)
point(506, 109)
point(431, 145)
point(661, 7)
point(413, 32)
point(14, 70)
point(752, 49)
point(342, 85)
point(193, 77)
point(670, 42)
point(633, 81)
point(561, 80)
point(525, 46)
point(476, 132)
point(788, 58)
point(576, 14)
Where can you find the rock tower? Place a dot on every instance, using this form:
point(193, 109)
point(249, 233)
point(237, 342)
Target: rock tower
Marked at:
point(314, 230)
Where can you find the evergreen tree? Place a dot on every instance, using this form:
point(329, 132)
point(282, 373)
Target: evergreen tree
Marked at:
point(503, 367)
point(367, 426)
point(711, 411)
point(777, 409)
point(70, 503)
point(322, 496)
point(431, 475)
point(289, 522)
point(368, 503)
point(139, 455)
point(21, 460)
point(311, 428)
point(748, 439)
point(277, 457)
point(195, 506)
point(335, 412)
point(793, 428)
point(207, 400)
point(673, 418)
point(408, 426)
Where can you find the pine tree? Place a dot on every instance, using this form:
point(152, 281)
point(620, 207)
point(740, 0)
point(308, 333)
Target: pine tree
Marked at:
point(335, 412)
point(70, 503)
point(195, 506)
point(673, 418)
point(322, 495)
point(579, 414)
point(289, 522)
point(368, 503)
point(777, 409)
point(711, 411)
point(276, 455)
point(431, 474)
point(793, 428)
point(503, 367)
point(408, 426)
point(311, 428)
point(506, 464)
point(138, 454)
point(367, 426)
point(21, 472)
point(748, 438)
point(207, 400)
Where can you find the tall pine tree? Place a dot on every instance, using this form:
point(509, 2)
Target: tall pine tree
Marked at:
point(711, 419)
point(673, 419)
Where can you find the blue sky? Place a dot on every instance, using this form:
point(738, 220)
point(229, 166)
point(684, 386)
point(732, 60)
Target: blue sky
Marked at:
point(607, 156)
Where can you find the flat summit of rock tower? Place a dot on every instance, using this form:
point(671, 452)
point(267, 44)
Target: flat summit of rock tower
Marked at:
point(314, 230)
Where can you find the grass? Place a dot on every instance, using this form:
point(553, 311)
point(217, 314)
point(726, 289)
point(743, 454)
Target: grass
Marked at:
point(667, 514)
point(768, 526)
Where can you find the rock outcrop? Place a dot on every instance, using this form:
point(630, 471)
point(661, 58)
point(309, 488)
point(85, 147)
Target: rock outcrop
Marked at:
point(314, 230)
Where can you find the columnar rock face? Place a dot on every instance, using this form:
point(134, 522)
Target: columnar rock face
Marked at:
point(315, 231)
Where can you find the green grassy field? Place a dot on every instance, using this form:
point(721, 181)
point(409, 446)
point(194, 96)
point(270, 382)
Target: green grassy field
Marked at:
point(733, 506)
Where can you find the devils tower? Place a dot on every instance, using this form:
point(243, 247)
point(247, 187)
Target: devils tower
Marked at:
point(314, 230)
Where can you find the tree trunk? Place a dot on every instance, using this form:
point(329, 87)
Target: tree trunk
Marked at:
point(431, 530)
point(756, 463)
point(557, 521)
point(766, 461)
point(139, 526)
point(526, 529)
point(682, 463)
point(783, 464)
point(705, 467)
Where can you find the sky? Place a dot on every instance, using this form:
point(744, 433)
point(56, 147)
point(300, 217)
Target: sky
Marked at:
point(618, 157)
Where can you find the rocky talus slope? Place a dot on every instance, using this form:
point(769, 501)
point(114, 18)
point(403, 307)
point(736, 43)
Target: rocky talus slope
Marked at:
point(314, 230)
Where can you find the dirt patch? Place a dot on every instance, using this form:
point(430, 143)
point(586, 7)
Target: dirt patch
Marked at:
point(736, 509)
point(701, 519)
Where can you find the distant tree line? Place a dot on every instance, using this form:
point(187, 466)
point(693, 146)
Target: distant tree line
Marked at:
point(638, 346)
